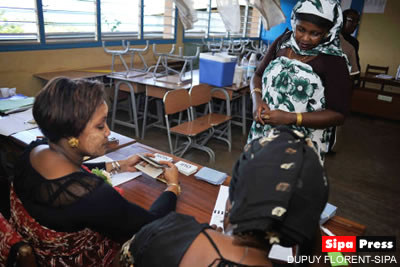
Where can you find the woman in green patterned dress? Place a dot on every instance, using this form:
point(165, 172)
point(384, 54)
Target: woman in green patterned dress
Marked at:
point(304, 81)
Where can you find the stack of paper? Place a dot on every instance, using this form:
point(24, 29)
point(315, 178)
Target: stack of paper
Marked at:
point(160, 157)
point(186, 168)
point(15, 104)
point(328, 212)
point(218, 215)
point(211, 176)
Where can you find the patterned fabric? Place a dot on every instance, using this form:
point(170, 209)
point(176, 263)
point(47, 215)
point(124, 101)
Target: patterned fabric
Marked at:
point(293, 86)
point(8, 237)
point(83, 248)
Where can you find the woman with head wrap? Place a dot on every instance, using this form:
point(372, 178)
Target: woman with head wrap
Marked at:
point(279, 202)
point(304, 81)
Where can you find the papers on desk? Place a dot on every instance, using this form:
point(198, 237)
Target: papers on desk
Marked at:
point(218, 213)
point(17, 122)
point(118, 178)
point(280, 253)
point(15, 104)
point(384, 76)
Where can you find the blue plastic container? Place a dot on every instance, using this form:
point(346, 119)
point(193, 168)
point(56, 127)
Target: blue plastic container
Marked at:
point(217, 69)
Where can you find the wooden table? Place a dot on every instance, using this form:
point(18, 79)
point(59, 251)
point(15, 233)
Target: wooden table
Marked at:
point(377, 102)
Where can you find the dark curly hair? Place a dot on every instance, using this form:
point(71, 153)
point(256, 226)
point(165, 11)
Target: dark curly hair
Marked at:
point(64, 106)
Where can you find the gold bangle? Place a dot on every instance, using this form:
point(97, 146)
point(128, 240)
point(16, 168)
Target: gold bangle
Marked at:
point(258, 90)
point(299, 119)
point(178, 187)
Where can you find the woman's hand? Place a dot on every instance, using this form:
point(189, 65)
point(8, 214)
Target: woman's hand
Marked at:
point(259, 108)
point(171, 173)
point(172, 178)
point(279, 117)
point(128, 165)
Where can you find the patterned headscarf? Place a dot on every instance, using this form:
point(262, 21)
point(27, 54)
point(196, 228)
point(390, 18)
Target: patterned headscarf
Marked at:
point(278, 187)
point(327, 9)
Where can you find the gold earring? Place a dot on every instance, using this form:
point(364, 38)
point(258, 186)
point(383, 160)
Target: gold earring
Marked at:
point(73, 142)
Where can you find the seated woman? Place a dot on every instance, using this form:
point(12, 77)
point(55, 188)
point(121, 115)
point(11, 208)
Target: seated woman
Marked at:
point(303, 81)
point(70, 216)
point(277, 193)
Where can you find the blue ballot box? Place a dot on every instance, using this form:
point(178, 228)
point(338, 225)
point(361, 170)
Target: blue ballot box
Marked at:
point(217, 69)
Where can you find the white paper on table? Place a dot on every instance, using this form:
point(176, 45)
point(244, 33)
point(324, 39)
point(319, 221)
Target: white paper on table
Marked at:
point(280, 253)
point(17, 122)
point(118, 178)
point(99, 159)
point(123, 177)
point(218, 213)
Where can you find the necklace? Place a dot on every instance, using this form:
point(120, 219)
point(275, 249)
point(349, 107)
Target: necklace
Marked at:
point(302, 58)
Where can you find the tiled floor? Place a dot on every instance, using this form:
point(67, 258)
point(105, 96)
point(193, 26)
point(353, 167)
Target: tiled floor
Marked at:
point(363, 174)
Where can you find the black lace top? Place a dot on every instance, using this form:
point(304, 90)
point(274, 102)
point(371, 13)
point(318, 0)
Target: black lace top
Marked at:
point(81, 199)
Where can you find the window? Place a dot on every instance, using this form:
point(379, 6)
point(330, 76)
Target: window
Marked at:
point(18, 21)
point(120, 19)
point(70, 20)
point(210, 24)
point(158, 19)
point(200, 27)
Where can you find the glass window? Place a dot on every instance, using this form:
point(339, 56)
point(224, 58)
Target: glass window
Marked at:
point(69, 20)
point(253, 23)
point(18, 21)
point(200, 27)
point(120, 19)
point(158, 19)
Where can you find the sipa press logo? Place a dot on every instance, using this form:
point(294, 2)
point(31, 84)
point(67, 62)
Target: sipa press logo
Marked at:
point(358, 243)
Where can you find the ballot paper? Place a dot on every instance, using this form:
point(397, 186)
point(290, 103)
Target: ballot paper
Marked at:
point(118, 178)
point(218, 213)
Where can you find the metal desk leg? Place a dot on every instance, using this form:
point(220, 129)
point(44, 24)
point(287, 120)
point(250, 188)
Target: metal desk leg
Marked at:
point(133, 105)
point(146, 105)
point(244, 114)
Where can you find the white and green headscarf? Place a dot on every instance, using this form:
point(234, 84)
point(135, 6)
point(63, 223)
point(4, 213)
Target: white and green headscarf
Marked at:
point(327, 9)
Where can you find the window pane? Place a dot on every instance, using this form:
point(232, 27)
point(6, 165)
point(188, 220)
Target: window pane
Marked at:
point(120, 19)
point(253, 23)
point(18, 20)
point(159, 19)
point(69, 19)
point(217, 27)
point(200, 27)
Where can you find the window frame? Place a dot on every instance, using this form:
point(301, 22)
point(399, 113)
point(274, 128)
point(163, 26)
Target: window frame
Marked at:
point(208, 38)
point(42, 44)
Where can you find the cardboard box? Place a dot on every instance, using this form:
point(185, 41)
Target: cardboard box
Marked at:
point(217, 69)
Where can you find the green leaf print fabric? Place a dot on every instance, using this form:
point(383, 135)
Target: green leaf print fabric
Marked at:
point(293, 86)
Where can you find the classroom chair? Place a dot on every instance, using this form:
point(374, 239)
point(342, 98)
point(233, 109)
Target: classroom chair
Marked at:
point(202, 95)
point(375, 70)
point(178, 101)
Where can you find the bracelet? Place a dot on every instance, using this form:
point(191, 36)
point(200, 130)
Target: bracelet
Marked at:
point(177, 186)
point(299, 119)
point(116, 167)
point(258, 90)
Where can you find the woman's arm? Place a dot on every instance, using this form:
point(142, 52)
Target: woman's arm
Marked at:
point(259, 106)
point(317, 119)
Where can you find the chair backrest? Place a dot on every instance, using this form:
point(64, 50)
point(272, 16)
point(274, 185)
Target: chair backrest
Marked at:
point(375, 70)
point(176, 101)
point(200, 94)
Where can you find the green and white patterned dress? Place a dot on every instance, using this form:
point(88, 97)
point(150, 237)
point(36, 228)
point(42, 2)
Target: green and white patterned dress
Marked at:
point(291, 85)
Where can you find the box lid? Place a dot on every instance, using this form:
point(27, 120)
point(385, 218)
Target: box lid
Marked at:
point(219, 57)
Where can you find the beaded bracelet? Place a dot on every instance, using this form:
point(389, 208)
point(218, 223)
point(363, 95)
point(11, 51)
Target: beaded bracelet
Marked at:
point(258, 90)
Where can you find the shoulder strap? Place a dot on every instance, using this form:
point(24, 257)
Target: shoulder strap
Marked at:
point(212, 243)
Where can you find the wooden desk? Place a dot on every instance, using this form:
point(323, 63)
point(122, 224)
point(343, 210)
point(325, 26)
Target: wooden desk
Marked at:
point(197, 198)
point(72, 74)
point(377, 102)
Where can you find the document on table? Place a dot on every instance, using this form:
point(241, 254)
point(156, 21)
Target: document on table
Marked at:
point(17, 122)
point(218, 213)
point(118, 178)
